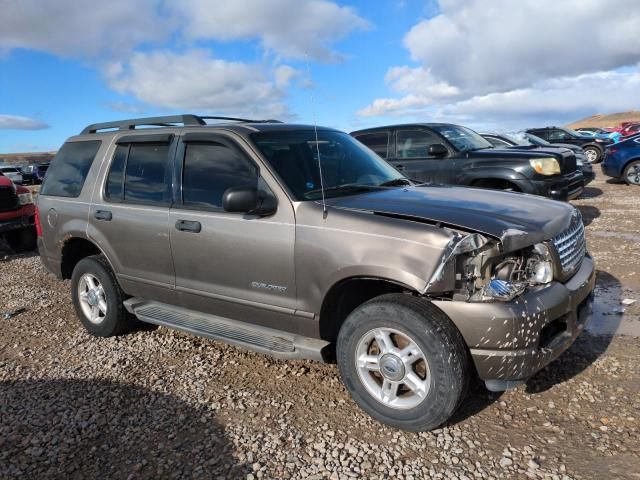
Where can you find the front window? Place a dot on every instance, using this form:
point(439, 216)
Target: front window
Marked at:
point(462, 138)
point(348, 167)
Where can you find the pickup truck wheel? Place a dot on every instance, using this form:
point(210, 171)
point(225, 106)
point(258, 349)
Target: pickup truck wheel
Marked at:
point(97, 298)
point(593, 154)
point(22, 240)
point(403, 362)
point(632, 173)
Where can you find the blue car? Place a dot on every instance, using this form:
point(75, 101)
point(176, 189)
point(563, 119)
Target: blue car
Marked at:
point(622, 160)
point(599, 133)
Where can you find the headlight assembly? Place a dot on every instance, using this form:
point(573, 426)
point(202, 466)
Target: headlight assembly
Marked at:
point(545, 166)
point(25, 198)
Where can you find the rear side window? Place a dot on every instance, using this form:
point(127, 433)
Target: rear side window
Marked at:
point(139, 173)
point(415, 143)
point(69, 169)
point(209, 170)
point(378, 142)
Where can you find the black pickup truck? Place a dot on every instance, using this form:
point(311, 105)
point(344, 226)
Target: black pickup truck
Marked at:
point(451, 154)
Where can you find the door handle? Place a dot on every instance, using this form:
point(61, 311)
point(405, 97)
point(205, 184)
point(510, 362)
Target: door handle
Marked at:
point(103, 215)
point(188, 226)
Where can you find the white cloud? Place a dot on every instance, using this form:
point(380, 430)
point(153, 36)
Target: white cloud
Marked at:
point(16, 122)
point(503, 61)
point(290, 28)
point(83, 28)
point(483, 46)
point(284, 74)
point(90, 29)
point(196, 81)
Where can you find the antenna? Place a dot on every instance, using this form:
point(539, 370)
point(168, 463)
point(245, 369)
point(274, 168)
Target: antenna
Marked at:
point(315, 129)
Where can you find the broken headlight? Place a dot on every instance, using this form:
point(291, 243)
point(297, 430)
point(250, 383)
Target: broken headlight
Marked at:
point(512, 275)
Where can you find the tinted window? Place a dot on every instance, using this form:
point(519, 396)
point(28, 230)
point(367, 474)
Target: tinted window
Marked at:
point(209, 170)
point(557, 135)
point(497, 142)
point(415, 143)
point(378, 142)
point(146, 174)
point(115, 186)
point(348, 167)
point(69, 168)
point(462, 138)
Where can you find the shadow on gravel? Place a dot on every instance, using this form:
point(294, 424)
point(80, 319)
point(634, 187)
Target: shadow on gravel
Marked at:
point(587, 347)
point(589, 213)
point(96, 429)
point(615, 181)
point(590, 192)
point(478, 398)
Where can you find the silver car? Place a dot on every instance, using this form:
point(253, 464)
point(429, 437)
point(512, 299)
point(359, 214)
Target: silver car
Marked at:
point(12, 173)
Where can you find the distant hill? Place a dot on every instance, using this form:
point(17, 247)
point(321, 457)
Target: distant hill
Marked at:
point(610, 120)
point(23, 158)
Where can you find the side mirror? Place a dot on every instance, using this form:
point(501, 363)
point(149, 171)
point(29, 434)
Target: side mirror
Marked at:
point(248, 200)
point(437, 150)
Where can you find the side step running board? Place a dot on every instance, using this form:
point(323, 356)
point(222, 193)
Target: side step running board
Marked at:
point(261, 339)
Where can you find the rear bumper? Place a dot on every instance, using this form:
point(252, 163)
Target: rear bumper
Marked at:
point(509, 342)
point(610, 170)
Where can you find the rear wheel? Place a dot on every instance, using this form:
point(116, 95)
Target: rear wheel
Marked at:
point(631, 173)
point(22, 240)
point(403, 362)
point(97, 298)
point(593, 154)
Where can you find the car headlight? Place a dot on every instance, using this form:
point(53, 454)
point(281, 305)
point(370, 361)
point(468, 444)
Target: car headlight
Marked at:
point(25, 198)
point(540, 265)
point(545, 166)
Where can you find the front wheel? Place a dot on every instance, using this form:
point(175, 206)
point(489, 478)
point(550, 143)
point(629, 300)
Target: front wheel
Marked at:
point(593, 154)
point(403, 362)
point(631, 173)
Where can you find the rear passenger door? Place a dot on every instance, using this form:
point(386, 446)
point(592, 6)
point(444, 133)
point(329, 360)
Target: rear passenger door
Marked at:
point(413, 160)
point(234, 265)
point(130, 211)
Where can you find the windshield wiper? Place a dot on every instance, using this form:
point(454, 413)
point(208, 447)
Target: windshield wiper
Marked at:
point(396, 182)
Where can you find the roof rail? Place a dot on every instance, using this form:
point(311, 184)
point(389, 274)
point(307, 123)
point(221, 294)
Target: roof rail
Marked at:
point(167, 121)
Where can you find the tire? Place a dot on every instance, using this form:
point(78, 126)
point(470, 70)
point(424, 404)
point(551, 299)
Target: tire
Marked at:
point(22, 240)
point(593, 154)
point(411, 322)
point(111, 320)
point(631, 173)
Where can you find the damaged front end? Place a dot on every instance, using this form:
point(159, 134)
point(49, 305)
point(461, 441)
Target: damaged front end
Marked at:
point(476, 268)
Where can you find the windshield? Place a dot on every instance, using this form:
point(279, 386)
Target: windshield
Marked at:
point(519, 138)
point(348, 167)
point(535, 140)
point(462, 138)
point(10, 170)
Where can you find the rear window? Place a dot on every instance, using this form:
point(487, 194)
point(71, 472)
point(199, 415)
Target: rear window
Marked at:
point(69, 169)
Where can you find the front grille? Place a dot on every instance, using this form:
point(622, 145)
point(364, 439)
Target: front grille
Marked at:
point(571, 244)
point(569, 163)
point(8, 200)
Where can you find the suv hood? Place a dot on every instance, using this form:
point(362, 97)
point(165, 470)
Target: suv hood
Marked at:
point(516, 219)
point(566, 159)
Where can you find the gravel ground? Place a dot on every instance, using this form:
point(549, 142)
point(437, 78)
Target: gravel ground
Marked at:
point(157, 403)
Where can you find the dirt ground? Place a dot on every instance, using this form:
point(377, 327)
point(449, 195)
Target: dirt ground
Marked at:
point(162, 404)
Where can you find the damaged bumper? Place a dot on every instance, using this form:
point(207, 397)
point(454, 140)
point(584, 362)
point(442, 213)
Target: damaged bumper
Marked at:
point(509, 342)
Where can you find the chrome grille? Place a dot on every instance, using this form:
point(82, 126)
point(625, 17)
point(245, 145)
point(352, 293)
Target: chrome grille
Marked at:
point(571, 245)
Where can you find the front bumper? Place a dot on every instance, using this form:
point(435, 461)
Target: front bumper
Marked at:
point(566, 187)
point(510, 341)
point(16, 223)
point(588, 174)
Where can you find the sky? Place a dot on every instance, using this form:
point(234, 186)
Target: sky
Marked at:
point(487, 64)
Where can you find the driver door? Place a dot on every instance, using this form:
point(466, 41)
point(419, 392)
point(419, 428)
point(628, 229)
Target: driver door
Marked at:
point(413, 160)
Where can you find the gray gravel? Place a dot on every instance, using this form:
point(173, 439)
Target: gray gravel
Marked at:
point(157, 403)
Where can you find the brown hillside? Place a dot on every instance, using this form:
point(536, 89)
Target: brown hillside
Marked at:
point(22, 158)
point(610, 120)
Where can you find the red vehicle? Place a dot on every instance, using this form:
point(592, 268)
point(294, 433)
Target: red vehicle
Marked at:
point(630, 128)
point(17, 216)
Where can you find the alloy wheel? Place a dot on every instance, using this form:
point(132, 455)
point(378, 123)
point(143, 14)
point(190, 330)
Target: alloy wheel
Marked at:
point(92, 298)
point(393, 368)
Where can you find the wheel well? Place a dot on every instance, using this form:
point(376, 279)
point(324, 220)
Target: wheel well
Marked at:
point(74, 250)
point(496, 183)
point(345, 296)
point(624, 167)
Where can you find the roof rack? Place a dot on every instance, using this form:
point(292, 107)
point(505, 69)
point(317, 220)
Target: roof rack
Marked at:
point(166, 121)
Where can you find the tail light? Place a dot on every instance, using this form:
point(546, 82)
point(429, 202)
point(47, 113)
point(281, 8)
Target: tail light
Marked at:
point(38, 225)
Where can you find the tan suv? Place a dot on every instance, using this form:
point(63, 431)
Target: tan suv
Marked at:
point(302, 243)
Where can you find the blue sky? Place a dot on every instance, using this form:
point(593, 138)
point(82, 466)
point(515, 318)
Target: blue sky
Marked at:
point(489, 64)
